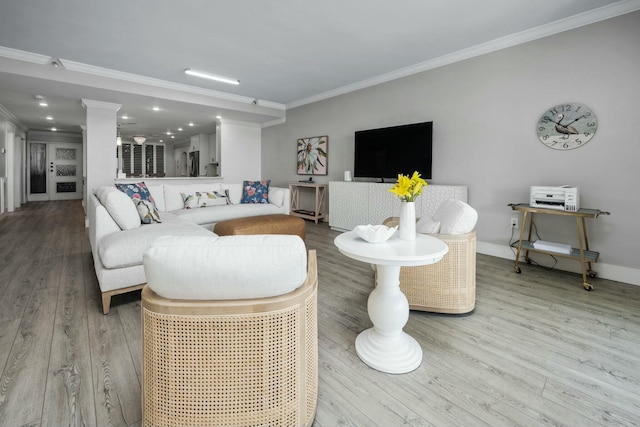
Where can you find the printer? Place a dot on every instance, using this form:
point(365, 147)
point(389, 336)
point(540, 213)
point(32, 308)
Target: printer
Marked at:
point(563, 198)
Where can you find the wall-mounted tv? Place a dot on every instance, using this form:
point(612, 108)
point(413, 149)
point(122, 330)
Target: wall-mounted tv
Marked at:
point(387, 152)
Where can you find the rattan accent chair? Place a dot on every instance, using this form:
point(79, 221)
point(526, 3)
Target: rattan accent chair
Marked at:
point(448, 286)
point(243, 362)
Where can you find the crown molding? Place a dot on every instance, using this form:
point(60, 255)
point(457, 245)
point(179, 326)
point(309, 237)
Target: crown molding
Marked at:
point(270, 104)
point(239, 123)
point(21, 55)
point(135, 78)
point(48, 136)
point(88, 103)
point(275, 122)
point(91, 70)
point(586, 18)
point(10, 117)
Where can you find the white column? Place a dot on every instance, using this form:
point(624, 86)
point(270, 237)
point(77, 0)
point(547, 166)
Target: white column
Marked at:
point(12, 169)
point(240, 151)
point(85, 201)
point(19, 162)
point(100, 139)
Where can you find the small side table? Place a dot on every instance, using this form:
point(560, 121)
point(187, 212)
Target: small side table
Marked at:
point(318, 211)
point(386, 347)
point(582, 253)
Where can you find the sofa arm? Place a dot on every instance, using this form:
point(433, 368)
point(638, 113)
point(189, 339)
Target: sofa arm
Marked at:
point(100, 222)
point(280, 197)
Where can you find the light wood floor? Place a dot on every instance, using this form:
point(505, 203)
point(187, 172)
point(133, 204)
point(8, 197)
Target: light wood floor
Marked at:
point(538, 350)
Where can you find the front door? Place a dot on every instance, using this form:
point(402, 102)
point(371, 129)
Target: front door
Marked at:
point(65, 171)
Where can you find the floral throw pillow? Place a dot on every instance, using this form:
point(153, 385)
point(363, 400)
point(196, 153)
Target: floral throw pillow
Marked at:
point(137, 192)
point(148, 215)
point(255, 191)
point(203, 199)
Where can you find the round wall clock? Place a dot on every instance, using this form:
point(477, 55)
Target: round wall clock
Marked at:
point(567, 126)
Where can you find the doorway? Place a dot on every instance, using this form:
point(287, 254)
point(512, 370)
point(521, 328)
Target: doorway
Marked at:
point(55, 171)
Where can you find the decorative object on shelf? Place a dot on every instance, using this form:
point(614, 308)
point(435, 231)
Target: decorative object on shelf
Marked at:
point(374, 233)
point(567, 126)
point(408, 190)
point(312, 155)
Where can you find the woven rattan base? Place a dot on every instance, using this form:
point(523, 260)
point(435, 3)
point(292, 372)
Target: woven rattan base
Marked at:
point(231, 363)
point(448, 286)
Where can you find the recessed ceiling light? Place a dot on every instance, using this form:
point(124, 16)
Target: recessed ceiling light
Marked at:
point(190, 123)
point(215, 77)
point(172, 136)
point(49, 118)
point(156, 108)
point(54, 129)
point(168, 132)
point(218, 117)
point(160, 140)
point(125, 117)
point(180, 129)
point(43, 104)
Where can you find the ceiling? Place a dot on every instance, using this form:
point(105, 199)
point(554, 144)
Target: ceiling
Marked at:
point(285, 53)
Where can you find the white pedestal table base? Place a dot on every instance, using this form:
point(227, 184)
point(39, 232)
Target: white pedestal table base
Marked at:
point(385, 347)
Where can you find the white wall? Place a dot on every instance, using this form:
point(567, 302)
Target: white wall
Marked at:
point(484, 111)
point(240, 151)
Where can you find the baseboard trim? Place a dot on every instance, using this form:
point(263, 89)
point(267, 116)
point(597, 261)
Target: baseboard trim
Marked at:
point(605, 271)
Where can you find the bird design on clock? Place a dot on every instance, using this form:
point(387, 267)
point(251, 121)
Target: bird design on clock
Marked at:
point(567, 126)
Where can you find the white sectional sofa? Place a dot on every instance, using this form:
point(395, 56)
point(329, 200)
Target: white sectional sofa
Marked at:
point(119, 239)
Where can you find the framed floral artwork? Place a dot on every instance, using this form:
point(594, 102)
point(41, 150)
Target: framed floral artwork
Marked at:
point(312, 155)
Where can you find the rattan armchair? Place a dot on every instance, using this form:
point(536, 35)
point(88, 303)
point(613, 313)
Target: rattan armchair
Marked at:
point(243, 362)
point(448, 286)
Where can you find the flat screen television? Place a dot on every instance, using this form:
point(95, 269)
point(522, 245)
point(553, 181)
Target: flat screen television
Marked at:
point(387, 152)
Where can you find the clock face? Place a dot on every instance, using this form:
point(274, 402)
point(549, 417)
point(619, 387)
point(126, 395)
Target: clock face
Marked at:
point(567, 126)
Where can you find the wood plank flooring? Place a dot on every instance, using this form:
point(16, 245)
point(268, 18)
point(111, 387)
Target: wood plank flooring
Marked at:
point(537, 351)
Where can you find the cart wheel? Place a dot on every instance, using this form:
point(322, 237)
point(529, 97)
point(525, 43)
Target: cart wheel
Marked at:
point(518, 270)
point(587, 286)
point(593, 274)
point(527, 260)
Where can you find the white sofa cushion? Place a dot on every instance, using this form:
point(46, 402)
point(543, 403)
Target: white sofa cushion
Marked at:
point(235, 192)
point(455, 217)
point(125, 248)
point(228, 267)
point(213, 214)
point(428, 226)
point(157, 192)
point(120, 207)
point(276, 196)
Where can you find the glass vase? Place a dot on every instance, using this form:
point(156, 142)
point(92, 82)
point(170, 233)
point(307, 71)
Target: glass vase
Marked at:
point(407, 223)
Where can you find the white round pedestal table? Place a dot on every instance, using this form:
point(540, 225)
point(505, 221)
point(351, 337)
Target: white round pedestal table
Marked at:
point(385, 346)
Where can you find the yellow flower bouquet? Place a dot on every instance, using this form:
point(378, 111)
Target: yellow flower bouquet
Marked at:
point(408, 189)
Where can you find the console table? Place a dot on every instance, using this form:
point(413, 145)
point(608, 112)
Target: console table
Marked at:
point(386, 347)
point(582, 253)
point(354, 203)
point(318, 211)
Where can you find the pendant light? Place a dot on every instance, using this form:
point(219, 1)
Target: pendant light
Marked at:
point(118, 137)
